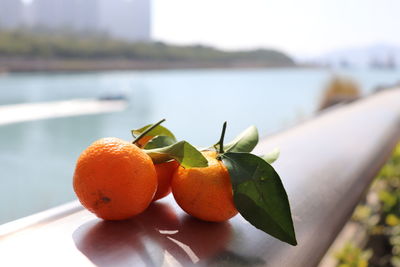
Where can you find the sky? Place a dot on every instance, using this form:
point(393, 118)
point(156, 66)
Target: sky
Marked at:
point(298, 27)
point(302, 28)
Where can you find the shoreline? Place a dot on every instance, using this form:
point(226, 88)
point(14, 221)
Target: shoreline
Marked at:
point(21, 65)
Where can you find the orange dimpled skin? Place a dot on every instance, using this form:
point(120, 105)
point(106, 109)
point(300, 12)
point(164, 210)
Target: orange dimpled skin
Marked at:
point(205, 193)
point(165, 171)
point(114, 179)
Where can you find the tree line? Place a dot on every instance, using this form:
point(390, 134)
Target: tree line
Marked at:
point(67, 45)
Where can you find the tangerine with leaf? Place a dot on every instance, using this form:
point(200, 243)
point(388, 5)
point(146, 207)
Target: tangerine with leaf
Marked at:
point(236, 181)
point(205, 193)
point(159, 137)
point(115, 179)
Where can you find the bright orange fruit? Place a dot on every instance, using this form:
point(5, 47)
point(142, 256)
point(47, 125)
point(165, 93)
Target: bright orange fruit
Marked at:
point(115, 179)
point(165, 171)
point(205, 193)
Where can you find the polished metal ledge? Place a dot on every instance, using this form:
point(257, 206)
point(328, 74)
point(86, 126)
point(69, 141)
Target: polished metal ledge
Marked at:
point(326, 165)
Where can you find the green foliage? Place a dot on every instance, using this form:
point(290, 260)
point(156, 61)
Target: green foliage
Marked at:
point(244, 142)
point(379, 215)
point(157, 131)
point(160, 141)
point(259, 195)
point(158, 134)
point(272, 156)
point(71, 45)
point(353, 256)
point(258, 192)
point(183, 152)
point(163, 146)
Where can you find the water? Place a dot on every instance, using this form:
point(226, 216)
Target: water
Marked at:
point(37, 158)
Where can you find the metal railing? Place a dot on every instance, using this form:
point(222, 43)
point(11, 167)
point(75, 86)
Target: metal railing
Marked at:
point(326, 165)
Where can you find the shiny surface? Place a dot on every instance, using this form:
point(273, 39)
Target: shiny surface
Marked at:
point(326, 164)
point(10, 114)
point(271, 99)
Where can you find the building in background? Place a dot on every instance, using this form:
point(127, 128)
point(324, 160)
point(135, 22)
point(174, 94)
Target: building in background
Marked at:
point(120, 19)
point(75, 15)
point(11, 14)
point(132, 22)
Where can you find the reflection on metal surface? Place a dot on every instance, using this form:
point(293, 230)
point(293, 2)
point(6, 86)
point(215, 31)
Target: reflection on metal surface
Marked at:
point(40, 218)
point(170, 261)
point(326, 165)
point(167, 232)
point(133, 242)
point(186, 240)
point(193, 257)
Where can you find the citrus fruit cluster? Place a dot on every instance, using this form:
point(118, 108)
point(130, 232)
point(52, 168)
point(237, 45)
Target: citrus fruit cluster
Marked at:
point(117, 179)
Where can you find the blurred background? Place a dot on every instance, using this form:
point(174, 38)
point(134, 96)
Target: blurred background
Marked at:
point(125, 63)
point(72, 71)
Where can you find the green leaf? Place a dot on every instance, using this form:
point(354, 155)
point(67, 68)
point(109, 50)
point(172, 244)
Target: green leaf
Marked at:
point(272, 156)
point(159, 130)
point(244, 142)
point(160, 141)
point(259, 195)
point(186, 154)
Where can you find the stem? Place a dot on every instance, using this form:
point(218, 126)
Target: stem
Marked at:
point(221, 140)
point(147, 131)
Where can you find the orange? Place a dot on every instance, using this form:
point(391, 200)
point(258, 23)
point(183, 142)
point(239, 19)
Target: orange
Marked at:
point(164, 171)
point(114, 179)
point(205, 193)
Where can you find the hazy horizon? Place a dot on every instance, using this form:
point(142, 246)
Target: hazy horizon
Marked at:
point(303, 29)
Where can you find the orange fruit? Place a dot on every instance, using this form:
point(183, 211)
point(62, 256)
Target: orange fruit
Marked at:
point(114, 179)
point(165, 172)
point(205, 193)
